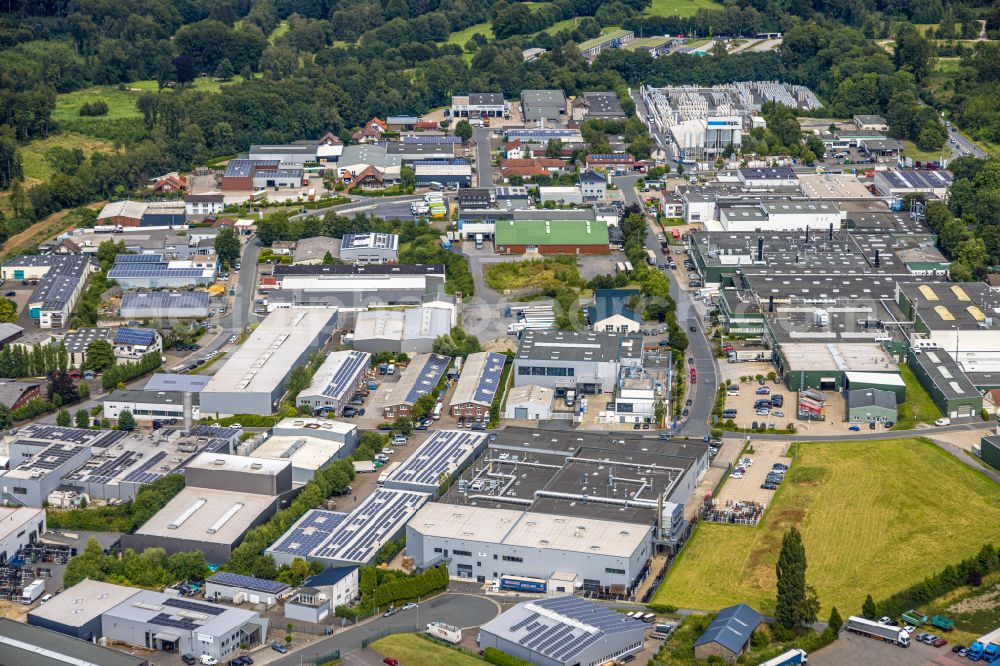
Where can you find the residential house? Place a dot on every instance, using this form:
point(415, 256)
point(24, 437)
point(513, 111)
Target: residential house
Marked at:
point(171, 182)
point(200, 206)
point(371, 132)
point(611, 312)
point(593, 187)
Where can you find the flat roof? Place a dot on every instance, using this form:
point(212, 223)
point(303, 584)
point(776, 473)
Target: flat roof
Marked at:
point(871, 397)
point(603, 104)
point(162, 381)
point(370, 241)
point(303, 452)
point(163, 610)
point(166, 300)
point(362, 533)
point(833, 186)
point(308, 532)
point(247, 582)
point(264, 360)
point(437, 458)
point(77, 605)
point(242, 464)
point(207, 514)
point(836, 357)
point(882, 378)
point(480, 378)
point(944, 306)
point(543, 97)
point(948, 377)
point(915, 180)
point(419, 378)
point(27, 645)
point(578, 346)
point(284, 270)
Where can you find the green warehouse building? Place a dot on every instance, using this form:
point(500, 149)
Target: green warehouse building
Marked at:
point(989, 450)
point(866, 405)
point(952, 391)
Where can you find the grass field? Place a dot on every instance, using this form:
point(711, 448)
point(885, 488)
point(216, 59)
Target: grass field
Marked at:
point(463, 36)
point(37, 167)
point(875, 516)
point(947, 65)
point(679, 7)
point(919, 406)
point(910, 150)
point(976, 611)
point(534, 273)
point(412, 649)
point(121, 103)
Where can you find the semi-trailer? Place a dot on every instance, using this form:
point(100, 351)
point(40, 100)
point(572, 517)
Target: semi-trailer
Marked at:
point(987, 648)
point(445, 632)
point(915, 617)
point(882, 632)
point(795, 656)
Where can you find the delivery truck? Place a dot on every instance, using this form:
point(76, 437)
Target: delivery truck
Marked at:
point(795, 656)
point(987, 648)
point(445, 632)
point(31, 592)
point(882, 632)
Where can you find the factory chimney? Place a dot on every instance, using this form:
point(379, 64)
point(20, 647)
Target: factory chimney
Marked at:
point(830, 235)
point(807, 233)
point(187, 412)
point(770, 303)
point(876, 258)
point(760, 248)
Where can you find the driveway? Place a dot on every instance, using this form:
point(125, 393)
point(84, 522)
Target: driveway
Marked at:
point(467, 611)
point(484, 157)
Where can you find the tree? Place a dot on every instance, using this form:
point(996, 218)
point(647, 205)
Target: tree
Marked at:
point(63, 419)
point(835, 622)
point(423, 406)
point(100, 356)
point(554, 148)
point(868, 609)
point(463, 130)
point(8, 311)
point(184, 69)
point(61, 384)
point(796, 604)
point(327, 258)
point(224, 71)
point(227, 246)
point(126, 421)
point(407, 178)
point(82, 418)
point(188, 565)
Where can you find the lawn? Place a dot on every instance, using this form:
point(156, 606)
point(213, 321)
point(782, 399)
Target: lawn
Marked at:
point(876, 517)
point(919, 406)
point(37, 167)
point(910, 150)
point(679, 7)
point(534, 273)
point(462, 37)
point(412, 649)
point(121, 104)
point(976, 611)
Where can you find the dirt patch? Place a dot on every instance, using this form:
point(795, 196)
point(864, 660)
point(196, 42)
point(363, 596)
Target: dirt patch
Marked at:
point(809, 476)
point(41, 230)
point(981, 602)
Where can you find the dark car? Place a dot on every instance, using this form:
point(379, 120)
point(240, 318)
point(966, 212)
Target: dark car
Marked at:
point(635, 426)
point(939, 642)
point(684, 412)
point(188, 659)
point(692, 328)
point(11, 293)
point(689, 402)
point(690, 360)
point(478, 426)
point(278, 647)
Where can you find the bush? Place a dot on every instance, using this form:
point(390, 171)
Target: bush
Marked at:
point(345, 612)
point(501, 658)
point(98, 108)
point(662, 609)
point(127, 517)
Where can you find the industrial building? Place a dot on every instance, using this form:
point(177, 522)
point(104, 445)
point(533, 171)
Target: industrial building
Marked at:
point(563, 631)
point(252, 175)
point(478, 385)
point(153, 271)
point(19, 526)
point(871, 406)
point(529, 402)
point(446, 172)
point(566, 473)
point(61, 278)
point(900, 182)
point(77, 611)
point(478, 105)
point(164, 305)
point(335, 382)
point(142, 214)
point(989, 450)
point(588, 362)
point(602, 105)
point(355, 288)
point(561, 236)
point(542, 105)
point(773, 216)
point(148, 406)
point(233, 587)
point(611, 313)
point(956, 316)
point(436, 460)
point(421, 377)
point(27, 645)
point(337, 539)
point(160, 622)
point(309, 444)
point(947, 384)
point(224, 497)
point(409, 331)
point(254, 377)
point(168, 381)
point(356, 160)
point(370, 248)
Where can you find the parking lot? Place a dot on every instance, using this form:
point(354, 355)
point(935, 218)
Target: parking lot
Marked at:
point(746, 414)
point(854, 649)
point(748, 488)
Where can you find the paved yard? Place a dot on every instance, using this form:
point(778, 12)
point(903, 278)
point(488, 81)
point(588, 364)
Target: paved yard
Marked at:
point(854, 649)
point(748, 488)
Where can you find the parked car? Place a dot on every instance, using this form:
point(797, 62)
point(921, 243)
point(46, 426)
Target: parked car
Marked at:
point(942, 422)
point(389, 661)
point(188, 659)
point(410, 606)
point(399, 439)
point(11, 293)
point(939, 642)
point(390, 612)
point(854, 428)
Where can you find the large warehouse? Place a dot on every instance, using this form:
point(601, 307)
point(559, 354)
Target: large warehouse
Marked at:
point(334, 384)
point(335, 539)
point(254, 378)
point(563, 631)
point(153, 271)
point(77, 611)
point(587, 361)
point(441, 455)
point(164, 304)
point(224, 497)
point(478, 384)
point(408, 331)
point(18, 528)
point(309, 444)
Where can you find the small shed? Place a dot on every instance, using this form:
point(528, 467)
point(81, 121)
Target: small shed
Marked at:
point(529, 402)
point(729, 634)
point(864, 405)
point(238, 589)
point(308, 605)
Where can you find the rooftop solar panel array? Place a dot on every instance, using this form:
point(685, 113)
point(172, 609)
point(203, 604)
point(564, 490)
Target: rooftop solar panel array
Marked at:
point(105, 470)
point(194, 606)
point(441, 454)
point(51, 458)
point(78, 436)
point(367, 528)
point(309, 532)
point(165, 620)
point(134, 336)
point(344, 377)
point(153, 270)
point(138, 258)
point(489, 381)
point(248, 582)
point(142, 474)
point(429, 377)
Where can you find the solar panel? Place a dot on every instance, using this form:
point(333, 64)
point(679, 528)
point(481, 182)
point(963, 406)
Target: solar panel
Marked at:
point(134, 336)
point(489, 381)
point(138, 258)
point(192, 606)
point(429, 377)
point(441, 454)
point(142, 474)
point(249, 582)
point(165, 620)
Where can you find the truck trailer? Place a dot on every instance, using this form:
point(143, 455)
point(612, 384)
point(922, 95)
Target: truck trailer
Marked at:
point(795, 656)
point(445, 632)
point(914, 617)
point(943, 623)
point(31, 592)
point(523, 584)
point(882, 632)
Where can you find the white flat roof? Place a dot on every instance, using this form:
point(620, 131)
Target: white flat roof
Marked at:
point(231, 463)
point(303, 452)
point(270, 353)
point(290, 426)
point(83, 602)
point(207, 514)
point(454, 521)
point(884, 378)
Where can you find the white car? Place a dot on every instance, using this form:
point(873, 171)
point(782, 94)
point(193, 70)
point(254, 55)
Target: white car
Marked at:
point(746, 462)
point(208, 660)
point(885, 619)
point(736, 475)
point(909, 628)
point(409, 606)
point(942, 422)
point(387, 451)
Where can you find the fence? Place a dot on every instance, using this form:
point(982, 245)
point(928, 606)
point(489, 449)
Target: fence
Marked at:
point(318, 660)
point(382, 633)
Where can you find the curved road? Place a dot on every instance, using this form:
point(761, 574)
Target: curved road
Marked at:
point(461, 610)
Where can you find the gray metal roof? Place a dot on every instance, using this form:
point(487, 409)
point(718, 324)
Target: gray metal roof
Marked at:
point(578, 346)
point(732, 628)
point(50, 648)
point(247, 582)
point(160, 301)
point(869, 397)
point(162, 381)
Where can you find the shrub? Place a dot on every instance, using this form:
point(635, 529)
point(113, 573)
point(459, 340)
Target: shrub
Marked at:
point(500, 658)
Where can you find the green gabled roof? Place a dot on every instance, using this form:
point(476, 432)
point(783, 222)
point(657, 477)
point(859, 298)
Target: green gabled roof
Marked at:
point(554, 232)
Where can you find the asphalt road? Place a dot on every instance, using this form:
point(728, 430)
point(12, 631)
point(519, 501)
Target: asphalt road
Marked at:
point(484, 157)
point(963, 145)
point(642, 111)
point(461, 610)
point(702, 393)
point(384, 207)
